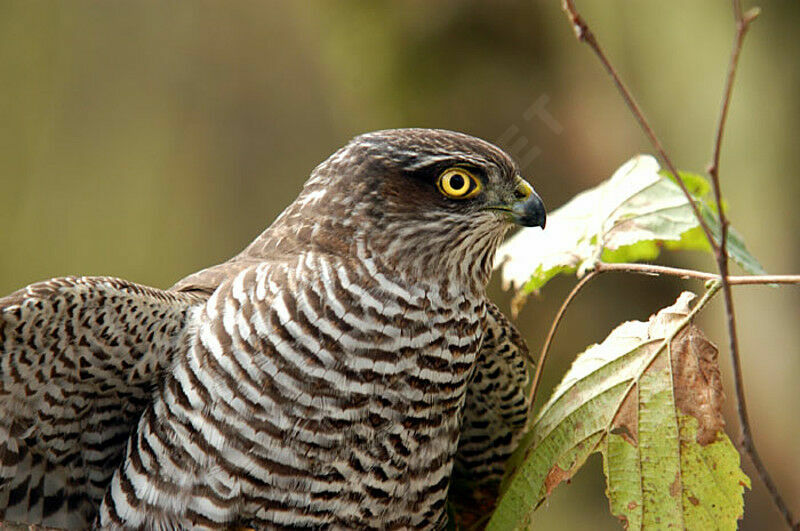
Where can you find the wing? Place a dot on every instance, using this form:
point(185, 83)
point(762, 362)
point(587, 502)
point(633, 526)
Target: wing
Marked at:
point(495, 413)
point(79, 359)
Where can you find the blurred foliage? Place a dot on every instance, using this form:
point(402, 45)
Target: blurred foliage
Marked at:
point(149, 139)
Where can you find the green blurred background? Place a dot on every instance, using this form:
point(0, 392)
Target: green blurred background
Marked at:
point(147, 140)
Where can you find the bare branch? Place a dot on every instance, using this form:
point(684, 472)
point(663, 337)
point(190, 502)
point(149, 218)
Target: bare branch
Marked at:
point(550, 335)
point(742, 24)
point(655, 270)
point(584, 34)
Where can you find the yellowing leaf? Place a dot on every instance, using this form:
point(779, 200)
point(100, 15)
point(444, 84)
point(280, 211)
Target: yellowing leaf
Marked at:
point(649, 399)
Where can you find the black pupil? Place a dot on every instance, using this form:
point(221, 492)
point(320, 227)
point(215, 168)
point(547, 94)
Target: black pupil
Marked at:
point(457, 182)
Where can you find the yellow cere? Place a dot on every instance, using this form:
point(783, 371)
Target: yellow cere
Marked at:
point(459, 183)
point(524, 189)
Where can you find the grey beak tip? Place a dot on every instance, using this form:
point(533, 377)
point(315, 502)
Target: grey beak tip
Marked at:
point(532, 212)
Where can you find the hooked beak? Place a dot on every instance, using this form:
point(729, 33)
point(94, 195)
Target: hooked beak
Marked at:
point(527, 209)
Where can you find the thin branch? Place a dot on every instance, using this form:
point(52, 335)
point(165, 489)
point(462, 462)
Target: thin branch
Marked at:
point(655, 270)
point(743, 21)
point(550, 335)
point(584, 34)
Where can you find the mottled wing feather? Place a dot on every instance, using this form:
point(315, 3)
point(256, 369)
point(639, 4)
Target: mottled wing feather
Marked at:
point(496, 404)
point(79, 359)
point(494, 415)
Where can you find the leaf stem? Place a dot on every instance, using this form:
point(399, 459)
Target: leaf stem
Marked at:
point(548, 341)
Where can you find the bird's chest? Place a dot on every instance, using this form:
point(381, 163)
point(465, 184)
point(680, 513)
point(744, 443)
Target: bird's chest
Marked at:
point(417, 353)
point(364, 385)
point(397, 458)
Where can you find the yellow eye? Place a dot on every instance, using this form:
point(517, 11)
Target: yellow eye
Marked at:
point(458, 183)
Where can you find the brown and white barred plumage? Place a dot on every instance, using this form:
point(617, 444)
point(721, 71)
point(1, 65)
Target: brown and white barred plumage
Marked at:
point(316, 380)
point(79, 357)
point(495, 410)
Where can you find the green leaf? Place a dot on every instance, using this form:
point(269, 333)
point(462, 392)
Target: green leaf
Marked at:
point(700, 189)
point(735, 244)
point(643, 250)
point(628, 218)
point(649, 399)
point(711, 481)
point(697, 185)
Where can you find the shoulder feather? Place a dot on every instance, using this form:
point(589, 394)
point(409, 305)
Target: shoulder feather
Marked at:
point(79, 358)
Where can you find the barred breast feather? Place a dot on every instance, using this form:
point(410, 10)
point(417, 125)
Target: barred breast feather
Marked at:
point(82, 358)
point(305, 400)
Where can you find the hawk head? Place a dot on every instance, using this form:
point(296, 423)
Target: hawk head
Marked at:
point(425, 201)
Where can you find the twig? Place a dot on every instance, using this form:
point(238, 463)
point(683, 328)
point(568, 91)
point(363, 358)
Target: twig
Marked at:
point(584, 34)
point(743, 21)
point(546, 347)
point(651, 269)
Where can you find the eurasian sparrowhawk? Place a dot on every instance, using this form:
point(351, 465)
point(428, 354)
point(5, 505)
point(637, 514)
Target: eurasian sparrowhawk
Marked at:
point(329, 376)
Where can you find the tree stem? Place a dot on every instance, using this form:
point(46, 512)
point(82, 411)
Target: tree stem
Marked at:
point(550, 335)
